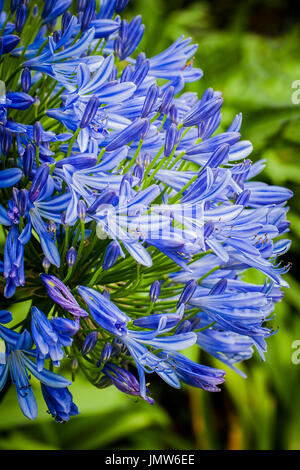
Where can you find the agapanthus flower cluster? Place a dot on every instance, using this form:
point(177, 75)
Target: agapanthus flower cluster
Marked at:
point(129, 213)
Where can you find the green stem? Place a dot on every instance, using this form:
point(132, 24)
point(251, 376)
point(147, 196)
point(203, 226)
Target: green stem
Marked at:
point(72, 141)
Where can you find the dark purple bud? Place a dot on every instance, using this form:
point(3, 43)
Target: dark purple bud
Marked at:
point(155, 291)
point(166, 100)
point(219, 288)
point(88, 14)
point(71, 257)
point(124, 380)
point(171, 138)
point(89, 343)
point(6, 141)
point(111, 255)
point(108, 197)
point(243, 198)
point(60, 294)
point(106, 353)
point(89, 112)
point(81, 210)
point(26, 80)
point(9, 42)
point(121, 5)
point(150, 100)
point(188, 292)
point(21, 15)
point(65, 21)
point(39, 181)
point(37, 133)
point(13, 5)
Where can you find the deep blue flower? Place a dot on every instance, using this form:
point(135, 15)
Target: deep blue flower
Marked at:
point(19, 365)
point(60, 403)
point(50, 336)
point(195, 374)
point(106, 314)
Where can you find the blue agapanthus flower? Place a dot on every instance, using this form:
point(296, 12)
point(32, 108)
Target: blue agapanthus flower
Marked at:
point(130, 211)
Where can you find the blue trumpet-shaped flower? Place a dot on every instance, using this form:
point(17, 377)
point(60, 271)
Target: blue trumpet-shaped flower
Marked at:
point(19, 365)
point(50, 336)
point(60, 403)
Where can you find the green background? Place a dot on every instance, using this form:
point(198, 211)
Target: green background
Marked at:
point(249, 50)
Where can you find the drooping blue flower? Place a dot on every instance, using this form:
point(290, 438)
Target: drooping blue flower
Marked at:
point(124, 381)
point(18, 364)
point(60, 403)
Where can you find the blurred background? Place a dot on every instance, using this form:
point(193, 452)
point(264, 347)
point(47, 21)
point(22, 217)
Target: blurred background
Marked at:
point(249, 50)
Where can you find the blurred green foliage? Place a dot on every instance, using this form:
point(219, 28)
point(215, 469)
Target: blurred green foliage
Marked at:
point(255, 72)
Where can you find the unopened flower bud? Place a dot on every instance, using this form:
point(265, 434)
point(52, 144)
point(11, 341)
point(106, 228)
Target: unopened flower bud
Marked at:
point(46, 264)
point(155, 291)
point(81, 210)
point(37, 133)
point(71, 257)
point(89, 112)
point(106, 352)
point(26, 80)
point(89, 343)
point(111, 255)
point(187, 292)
